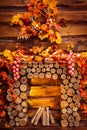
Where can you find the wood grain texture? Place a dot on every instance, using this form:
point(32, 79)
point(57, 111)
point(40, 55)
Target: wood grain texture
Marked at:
point(80, 43)
point(52, 102)
point(74, 13)
point(76, 16)
point(44, 81)
point(24, 2)
point(42, 91)
point(70, 30)
point(30, 127)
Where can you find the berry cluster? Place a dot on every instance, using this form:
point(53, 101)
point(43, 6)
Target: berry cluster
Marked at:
point(71, 65)
point(16, 68)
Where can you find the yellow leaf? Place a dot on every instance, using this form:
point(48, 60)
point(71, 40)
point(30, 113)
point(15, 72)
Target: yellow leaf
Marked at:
point(16, 18)
point(43, 27)
point(6, 53)
point(50, 32)
point(52, 38)
point(50, 2)
point(42, 36)
point(45, 2)
point(51, 5)
point(84, 54)
point(59, 38)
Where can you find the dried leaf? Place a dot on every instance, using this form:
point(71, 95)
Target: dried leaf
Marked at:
point(42, 35)
point(59, 38)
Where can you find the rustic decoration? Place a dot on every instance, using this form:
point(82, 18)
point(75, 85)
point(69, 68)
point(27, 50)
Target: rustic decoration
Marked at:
point(56, 68)
point(45, 115)
point(69, 93)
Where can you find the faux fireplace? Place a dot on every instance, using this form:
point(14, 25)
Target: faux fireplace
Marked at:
point(49, 85)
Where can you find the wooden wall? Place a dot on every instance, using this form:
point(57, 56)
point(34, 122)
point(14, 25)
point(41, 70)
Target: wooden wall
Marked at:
point(72, 12)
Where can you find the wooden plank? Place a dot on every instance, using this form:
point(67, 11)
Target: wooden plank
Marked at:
point(8, 45)
point(60, 2)
point(70, 30)
point(42, 91)
point(13, 3)
point(52, 102)
point(74, 16)
point(83, 126)
point(80, 43)
point(7, 16)
point(44, 81)
point(74, 29)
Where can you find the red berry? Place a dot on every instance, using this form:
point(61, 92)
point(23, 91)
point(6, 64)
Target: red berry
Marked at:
point(17, 73)
point(17, 69)
point(13, 67)
point(14, 71)
point(73, 64)
point(17, 65)
point(70, 66)
point(69, 62)
point(70, 71)
point(18, 76)
point(15, 78)
point(15, 62)
point(73, 69)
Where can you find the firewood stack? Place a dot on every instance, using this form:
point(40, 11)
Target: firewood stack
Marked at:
point(70, 99)
point(70, 95)
point(17, 109)
point(45, 115)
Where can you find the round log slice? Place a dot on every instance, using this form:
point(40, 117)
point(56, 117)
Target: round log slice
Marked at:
point(14, 112)
point(59, 71)
point(30, 75)
point(21, 114)
point(23, 122)
point(9, 97)
point(64, 104)
point(23, 72)
point(54, 76)
point(18, 100)
point(16, 91)
point(48, 75)
point(36, 75)
point(19, 108)
point(23, 95)
point(24, 104)
point(23, 87)
point(41, 75)
point(24, 80)
point(64, 123)
point(70, 92)
point(65, 116)
point(16, 84)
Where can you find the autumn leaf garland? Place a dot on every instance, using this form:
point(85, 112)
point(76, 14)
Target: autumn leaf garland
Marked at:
point(39, 20)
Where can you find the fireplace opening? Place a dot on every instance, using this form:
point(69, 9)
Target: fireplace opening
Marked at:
point(45, 92)
point(45, 88)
